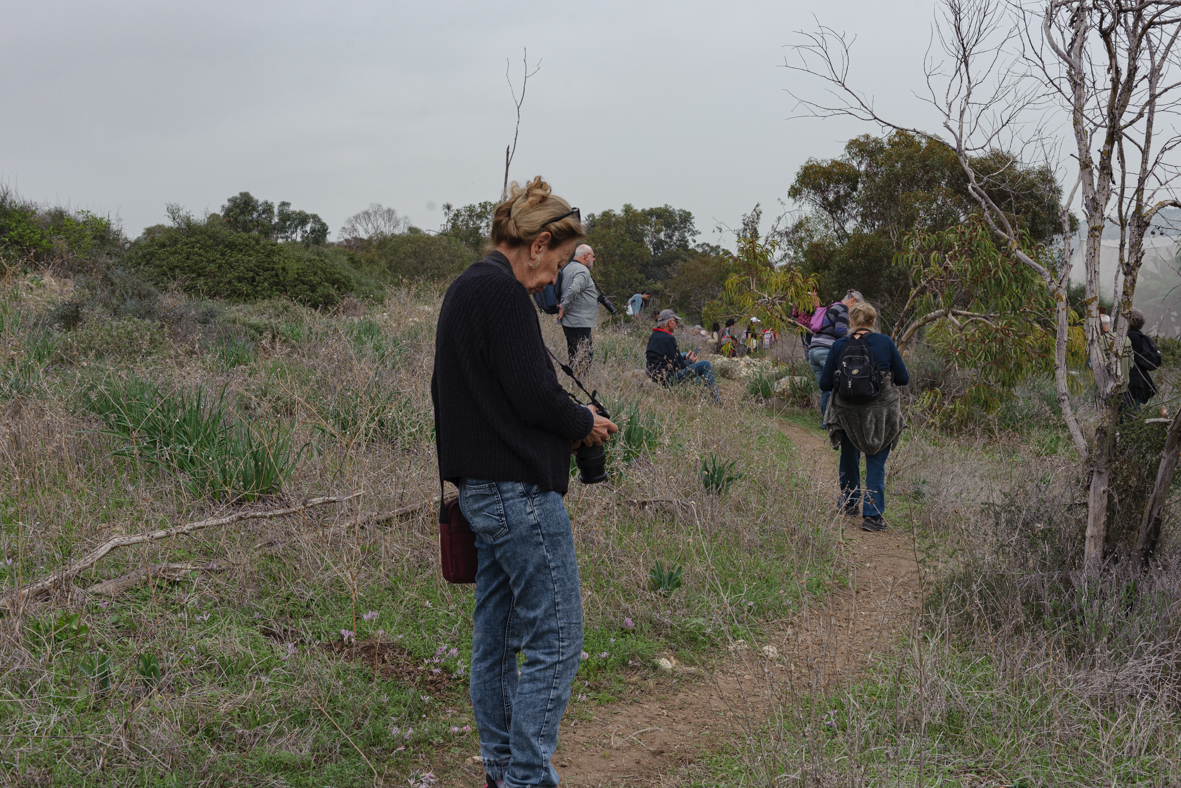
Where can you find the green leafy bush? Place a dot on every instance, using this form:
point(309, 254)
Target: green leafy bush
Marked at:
point(215, 261)
point(417, 255)
point(32, 234)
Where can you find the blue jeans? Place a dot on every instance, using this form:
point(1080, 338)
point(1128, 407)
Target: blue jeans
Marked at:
point(817, 357)
point(698, 371)
point(528, 601)
point(873, 503)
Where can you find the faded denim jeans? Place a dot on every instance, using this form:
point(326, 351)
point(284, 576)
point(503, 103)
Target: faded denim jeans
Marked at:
point(527, 601)
point(704, 372)
point(817, 357)
point(873, 501)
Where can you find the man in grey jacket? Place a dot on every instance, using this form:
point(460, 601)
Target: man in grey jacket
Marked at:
point(579, 311)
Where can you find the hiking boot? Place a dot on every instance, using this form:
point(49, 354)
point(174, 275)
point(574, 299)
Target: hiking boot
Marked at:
point(873, 524)
point(851, 509)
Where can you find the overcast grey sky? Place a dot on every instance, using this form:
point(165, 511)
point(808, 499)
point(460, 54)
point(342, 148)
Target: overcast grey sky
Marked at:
point(123, 106)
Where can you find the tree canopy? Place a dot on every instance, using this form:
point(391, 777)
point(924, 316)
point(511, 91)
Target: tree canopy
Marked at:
point(860, 207)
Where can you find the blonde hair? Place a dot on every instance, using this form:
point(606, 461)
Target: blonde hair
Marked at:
point(528, 211)
point(862, 315)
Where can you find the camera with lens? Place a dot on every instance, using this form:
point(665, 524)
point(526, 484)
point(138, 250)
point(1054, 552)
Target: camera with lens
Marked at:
point(592, 460)
point(606, 302)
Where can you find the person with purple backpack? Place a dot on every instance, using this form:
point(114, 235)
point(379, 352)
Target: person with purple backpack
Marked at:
point(829, 325)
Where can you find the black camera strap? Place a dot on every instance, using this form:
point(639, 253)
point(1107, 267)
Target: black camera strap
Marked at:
point(592, 396)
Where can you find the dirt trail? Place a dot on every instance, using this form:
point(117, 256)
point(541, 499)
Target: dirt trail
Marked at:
point(653, 739)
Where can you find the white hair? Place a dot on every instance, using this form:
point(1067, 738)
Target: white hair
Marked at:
point(581, 250)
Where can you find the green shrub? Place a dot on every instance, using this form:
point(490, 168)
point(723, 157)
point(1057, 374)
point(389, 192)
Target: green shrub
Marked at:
point(29, 233)
point(214, 261)
point(417, 255)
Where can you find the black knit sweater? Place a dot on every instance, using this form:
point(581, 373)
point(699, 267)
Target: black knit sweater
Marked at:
point(500, 413)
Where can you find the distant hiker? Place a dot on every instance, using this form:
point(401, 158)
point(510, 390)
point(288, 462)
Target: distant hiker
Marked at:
point(637, 304)
point(802, 315)
point(728, 340)
point(504, 429)
point(668, 365)
point(864, 414)
point(579, 310)
point(714, 331)
point(829, 325)
point(752, 336)
point(1145, 359)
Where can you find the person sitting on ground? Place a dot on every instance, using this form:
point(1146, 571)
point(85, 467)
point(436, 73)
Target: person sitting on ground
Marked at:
point(872, 426)
point(834, 326)
point(714, 331)
point(667, 365)
point(1145, 358)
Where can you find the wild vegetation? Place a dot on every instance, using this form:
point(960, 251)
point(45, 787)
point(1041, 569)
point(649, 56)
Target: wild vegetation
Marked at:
point(218, 488)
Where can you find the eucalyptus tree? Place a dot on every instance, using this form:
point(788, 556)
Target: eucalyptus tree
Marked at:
point(1108, 71)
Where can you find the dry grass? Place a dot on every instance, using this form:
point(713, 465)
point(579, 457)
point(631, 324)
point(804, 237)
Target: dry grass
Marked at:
point(248, 694)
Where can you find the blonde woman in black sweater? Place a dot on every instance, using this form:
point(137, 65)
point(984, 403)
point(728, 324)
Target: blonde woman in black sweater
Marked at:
point(505, 430)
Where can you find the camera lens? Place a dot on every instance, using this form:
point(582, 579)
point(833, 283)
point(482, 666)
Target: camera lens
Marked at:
point(592, 464)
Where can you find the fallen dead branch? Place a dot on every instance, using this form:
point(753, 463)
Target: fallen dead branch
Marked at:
point(40, 587)
point(117, 585)
point(377, 518)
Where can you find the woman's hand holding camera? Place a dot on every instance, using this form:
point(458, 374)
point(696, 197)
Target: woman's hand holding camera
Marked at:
point(599, 433)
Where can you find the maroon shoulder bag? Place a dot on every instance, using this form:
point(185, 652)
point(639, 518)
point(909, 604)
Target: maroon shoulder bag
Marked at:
point(457, 543)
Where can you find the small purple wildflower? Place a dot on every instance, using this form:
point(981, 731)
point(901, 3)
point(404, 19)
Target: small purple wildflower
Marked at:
point(347, 635)
point(394, 731)
point(409, 733)
point(436, 670)
point(8, 561)
point(204, 617)
point(453, 652)
point(603, 655)
point(425, 698)
point(370, 616)
point(466, 729)
point(454, 729)
point(612, 640)
point(628, 623)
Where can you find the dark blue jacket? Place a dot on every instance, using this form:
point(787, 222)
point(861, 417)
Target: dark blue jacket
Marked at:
point(662, 356)
point(885, 353)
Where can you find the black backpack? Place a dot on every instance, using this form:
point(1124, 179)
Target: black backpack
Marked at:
point(550, 297)
point(1149, 357)
point(857, 377)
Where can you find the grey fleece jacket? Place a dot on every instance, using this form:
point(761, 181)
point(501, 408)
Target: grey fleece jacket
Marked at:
point(580, 297)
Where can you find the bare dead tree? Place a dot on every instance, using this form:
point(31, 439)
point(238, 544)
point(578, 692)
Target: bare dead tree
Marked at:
point(1109, 69)
point(511, 150)
point(374, 222)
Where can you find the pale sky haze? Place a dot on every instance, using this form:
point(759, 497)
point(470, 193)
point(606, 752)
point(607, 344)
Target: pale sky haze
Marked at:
point(123, 106)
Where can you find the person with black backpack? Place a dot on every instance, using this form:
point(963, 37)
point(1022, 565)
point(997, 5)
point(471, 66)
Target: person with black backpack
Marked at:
point(864, 413)
point(1145, 359)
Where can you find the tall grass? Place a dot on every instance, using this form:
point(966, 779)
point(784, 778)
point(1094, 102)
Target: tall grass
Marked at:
point(195, 438)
